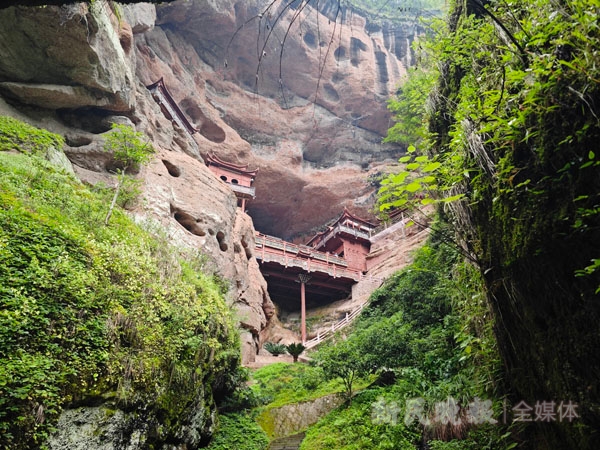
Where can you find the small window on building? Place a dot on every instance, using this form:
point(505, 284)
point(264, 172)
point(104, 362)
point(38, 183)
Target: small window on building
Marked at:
point(223, 177)
point(234, 181)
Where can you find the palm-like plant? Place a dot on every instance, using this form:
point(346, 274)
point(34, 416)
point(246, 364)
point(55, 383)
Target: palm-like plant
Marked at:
point(295, 349)
point(274, 349)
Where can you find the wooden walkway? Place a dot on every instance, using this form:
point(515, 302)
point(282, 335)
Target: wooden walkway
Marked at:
point(286, 254)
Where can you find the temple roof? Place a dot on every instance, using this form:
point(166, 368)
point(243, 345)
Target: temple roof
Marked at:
point(318, 238)
point(160, 86)
point(348, 215)
point(216, 161)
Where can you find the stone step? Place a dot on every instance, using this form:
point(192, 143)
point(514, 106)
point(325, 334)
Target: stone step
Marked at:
point(287, 443)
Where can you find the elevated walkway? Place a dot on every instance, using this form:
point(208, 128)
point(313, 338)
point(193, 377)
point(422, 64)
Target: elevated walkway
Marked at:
point(287, 255)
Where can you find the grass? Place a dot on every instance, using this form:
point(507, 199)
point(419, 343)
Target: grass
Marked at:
point(283, 383)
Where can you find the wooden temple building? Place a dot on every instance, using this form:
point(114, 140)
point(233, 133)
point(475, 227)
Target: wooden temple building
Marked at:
point(169, 107)
point(238, 178)
point(347, 238)
point(323, 270)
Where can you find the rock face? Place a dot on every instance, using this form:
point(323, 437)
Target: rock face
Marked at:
point(79, 100)
point(313, 132)
point(348, 67)
point(66, 57)
point(107, 427)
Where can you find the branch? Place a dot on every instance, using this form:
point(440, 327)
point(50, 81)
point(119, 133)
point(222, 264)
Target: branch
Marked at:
point(522, 54)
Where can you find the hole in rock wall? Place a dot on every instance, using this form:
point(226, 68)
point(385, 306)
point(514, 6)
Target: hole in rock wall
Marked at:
point(212, 131)
point(337, 77)
point(247, 248)
point(339, 53)
point(187, 221)
point(126, 40)
point(381, 61)
point(86, 119)
point(221, 240)
point(310, 39)
point(77, 140)
point(114, 166)
point(192, 110)
point(173, 170)
point(357, 45)
point(331, 93)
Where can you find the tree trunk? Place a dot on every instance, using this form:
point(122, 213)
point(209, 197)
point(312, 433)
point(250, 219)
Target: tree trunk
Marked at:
point(114, 199)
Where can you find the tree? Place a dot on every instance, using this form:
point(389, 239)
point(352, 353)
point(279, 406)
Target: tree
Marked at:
point(295, 349)
point(130, 152)
point(342, 360)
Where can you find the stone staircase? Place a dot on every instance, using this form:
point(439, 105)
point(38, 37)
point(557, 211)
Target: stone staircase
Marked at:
point(287, 443)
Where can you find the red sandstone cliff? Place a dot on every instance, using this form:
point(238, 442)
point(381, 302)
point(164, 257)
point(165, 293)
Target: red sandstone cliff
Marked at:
point(78, 68)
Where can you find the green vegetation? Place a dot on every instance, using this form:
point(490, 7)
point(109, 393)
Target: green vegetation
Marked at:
point(295, 349)
point(89, 311)
point(423, 336)
point(284, 383)
point(19, 136)
point(274, 349)
point(393, 9)
point(238, 432)
point(426, 178)
point(129, 151)
point(512, 126)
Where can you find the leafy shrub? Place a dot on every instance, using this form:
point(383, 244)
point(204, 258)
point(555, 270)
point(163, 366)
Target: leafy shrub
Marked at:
point(130, 151)
point(414, 328)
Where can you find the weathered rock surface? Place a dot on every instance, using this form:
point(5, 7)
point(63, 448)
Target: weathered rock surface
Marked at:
point(291, 419)
point(364, 64)
point(77, 53)
point(107, 427)
point(141, 16)
point(291, 139)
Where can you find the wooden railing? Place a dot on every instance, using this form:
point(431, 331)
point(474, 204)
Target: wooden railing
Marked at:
point(322, 240)
point(270, 248)
point(322, 336)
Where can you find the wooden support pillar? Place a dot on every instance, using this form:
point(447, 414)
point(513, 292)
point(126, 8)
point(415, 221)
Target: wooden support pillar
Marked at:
point(304, 278)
